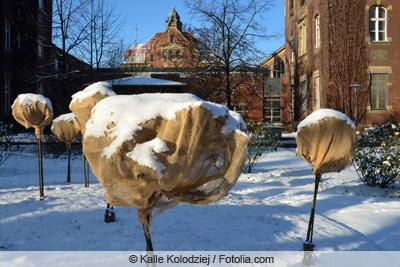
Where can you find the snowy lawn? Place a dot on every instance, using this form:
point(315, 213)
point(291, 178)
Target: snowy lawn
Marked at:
point(267, 210)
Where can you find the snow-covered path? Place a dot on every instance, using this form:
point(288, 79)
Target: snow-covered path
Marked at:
point(267, 210)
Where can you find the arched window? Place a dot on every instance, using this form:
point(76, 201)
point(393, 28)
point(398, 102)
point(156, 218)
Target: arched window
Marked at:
point(377, 24)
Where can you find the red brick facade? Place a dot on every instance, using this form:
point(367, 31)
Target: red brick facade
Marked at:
point(305, 55)
point(173, 54)
point(170, 49)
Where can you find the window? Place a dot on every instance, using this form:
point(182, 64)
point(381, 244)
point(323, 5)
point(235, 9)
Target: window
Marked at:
point(7, 94)
point(291, 7)
point(303, 86)
point(56, 65)
point(172, 39)
point(40, 17)
point(40, 87)
point(302, 38)
point(317, 93)
point(19, 13)
point(317, 32)
point(19, 40)
point(7, 44)
point(172, 54)
point(378, 90)
point(272, 99)
point(165, 54)
point(41, 4)
point(40, 48)
point(377, 24)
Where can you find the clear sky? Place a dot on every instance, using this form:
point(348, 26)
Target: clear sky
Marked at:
point(148, 17)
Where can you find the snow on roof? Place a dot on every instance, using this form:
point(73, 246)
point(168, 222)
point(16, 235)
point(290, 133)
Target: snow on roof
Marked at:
point(144, 107)
point(28, 99)
point(322, 113)
point(141, 80)
point(99, 87)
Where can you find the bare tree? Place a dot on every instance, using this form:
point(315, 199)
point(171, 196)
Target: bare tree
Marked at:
point(102, 33)
point(344, 57)
point(69, 34)
point(229, 32)
point(88, 30)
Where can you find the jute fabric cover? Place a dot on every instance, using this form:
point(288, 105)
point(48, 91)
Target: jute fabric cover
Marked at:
point(83, 102)
point(194, 157)
point(327, 139)
point(33, 110)
point(64, 128)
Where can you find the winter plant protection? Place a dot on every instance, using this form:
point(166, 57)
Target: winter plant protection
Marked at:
point(153, 151)
point(177, 153)
point(327, 139)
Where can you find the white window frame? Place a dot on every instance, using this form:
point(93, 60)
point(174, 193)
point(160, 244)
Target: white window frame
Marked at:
point(375, 21)
point(317, 32)
point(302, 38)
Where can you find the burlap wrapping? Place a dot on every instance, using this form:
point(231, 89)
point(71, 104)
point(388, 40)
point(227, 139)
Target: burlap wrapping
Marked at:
point(64, 128)
point(200, 162)
point(33, 110)
point(83, 102)
point(328, 143)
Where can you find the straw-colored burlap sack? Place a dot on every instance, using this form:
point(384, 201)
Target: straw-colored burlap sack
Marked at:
point(33, 110)
point(194, 157)
point(83, 102)
point(328, 141)
point(64, 128)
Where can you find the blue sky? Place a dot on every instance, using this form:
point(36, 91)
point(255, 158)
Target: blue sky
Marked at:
point(149, 16)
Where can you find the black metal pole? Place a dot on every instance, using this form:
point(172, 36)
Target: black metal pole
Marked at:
point(69, 164)
point(40, 161)
point(85, 173)
point(308, 245)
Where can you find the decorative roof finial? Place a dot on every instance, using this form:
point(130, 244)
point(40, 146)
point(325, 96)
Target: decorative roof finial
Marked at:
point(173, 17)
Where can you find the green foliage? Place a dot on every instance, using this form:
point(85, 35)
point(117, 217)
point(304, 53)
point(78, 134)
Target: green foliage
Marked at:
point(377, 157)
point(6, 146)
point(261, 141)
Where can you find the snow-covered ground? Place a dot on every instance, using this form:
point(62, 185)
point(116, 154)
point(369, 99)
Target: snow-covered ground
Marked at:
point(267, 210)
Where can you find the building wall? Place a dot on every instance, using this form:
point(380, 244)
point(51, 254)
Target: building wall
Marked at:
point(26, 61)
point(305, 77)
point(385, 56)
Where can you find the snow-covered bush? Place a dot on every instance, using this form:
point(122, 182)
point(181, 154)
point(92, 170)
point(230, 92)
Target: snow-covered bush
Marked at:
point(261, 141)
point(377, 157)
point(6, 141)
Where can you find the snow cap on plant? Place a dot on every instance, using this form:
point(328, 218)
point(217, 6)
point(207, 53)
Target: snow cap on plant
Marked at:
point(327, 139)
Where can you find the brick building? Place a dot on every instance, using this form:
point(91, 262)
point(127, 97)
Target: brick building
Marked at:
point(175, 55)
point(335, 45)
point(25, 54)
point(172, 48)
